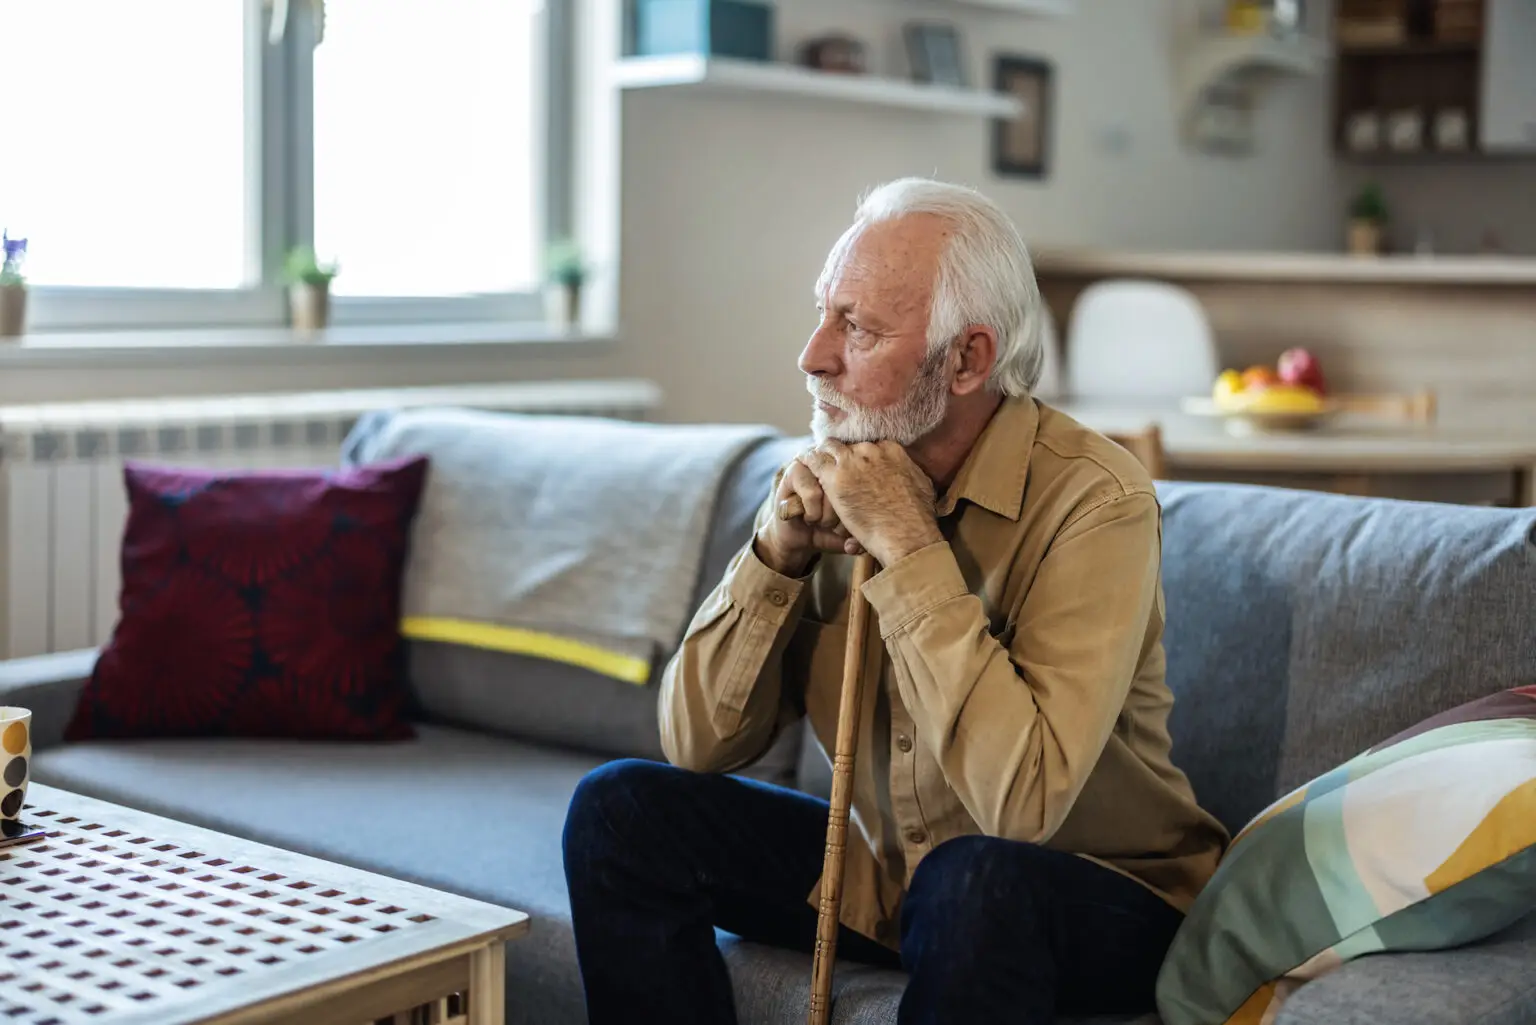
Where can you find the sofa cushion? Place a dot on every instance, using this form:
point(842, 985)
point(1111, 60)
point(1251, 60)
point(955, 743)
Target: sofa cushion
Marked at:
point(1425, 842)
point(1489, 983)
point(1303, 627)
point(258, 604)
point(773, 987)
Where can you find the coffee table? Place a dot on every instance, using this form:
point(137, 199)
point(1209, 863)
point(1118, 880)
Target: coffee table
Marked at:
point(125, 918)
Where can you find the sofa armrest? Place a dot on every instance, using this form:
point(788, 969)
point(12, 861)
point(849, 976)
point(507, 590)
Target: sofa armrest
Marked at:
point(48, 685)
point(1492, 982)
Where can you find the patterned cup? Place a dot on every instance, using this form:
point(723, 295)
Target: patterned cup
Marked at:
point(15, 759)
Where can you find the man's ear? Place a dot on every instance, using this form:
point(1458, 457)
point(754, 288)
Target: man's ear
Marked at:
point(976, 353)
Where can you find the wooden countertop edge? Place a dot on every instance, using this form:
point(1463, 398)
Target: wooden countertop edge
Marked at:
point(1245, 458)
point(1286, 267)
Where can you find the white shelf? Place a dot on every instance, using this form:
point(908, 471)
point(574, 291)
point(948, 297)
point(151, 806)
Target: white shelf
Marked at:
point(1213, 58)
point(728, 75)
point(1241, 64)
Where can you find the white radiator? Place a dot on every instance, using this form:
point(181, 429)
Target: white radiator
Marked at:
point(63, 506)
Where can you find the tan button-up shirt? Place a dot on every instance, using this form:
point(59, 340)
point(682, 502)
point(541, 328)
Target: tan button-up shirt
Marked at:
point(1017, 688)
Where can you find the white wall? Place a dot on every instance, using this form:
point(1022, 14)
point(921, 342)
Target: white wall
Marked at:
point(731, 202)
point(1458, 203)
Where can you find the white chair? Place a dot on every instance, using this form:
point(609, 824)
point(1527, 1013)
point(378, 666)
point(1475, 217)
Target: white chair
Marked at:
point(1132, 339)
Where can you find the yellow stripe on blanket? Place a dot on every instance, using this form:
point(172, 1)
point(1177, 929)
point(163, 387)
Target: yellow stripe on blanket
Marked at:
point(516, 641)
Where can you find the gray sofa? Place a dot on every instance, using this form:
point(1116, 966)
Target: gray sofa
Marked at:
point(1302, 627)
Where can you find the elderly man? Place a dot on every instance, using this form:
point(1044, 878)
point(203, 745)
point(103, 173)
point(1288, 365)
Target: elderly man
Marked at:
point(1024, 845)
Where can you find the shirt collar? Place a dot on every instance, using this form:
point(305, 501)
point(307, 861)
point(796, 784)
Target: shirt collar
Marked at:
point(997, 466)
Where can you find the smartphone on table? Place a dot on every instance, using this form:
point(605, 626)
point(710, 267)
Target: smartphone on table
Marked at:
point(14, 833)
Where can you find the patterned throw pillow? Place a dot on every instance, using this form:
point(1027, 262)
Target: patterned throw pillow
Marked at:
point(1424, 842)
point(263, 604)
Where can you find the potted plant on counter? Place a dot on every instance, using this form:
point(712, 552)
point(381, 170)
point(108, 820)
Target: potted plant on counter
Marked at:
point(1368, 217)
point(13, 286)
point(566, 272)
point(309, 288)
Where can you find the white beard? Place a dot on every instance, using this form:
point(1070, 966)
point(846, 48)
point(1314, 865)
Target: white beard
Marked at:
point(917, 414)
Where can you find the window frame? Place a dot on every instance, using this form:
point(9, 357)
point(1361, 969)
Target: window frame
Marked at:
point(279, 176)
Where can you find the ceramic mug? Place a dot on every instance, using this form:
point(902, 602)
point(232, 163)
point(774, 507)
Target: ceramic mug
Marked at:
point(15, 760)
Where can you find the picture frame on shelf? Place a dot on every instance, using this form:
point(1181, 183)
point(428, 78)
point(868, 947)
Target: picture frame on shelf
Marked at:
point(934, 50)
point(1021, 146)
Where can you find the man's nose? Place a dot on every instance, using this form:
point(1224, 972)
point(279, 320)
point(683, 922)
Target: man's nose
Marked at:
point(820, 356)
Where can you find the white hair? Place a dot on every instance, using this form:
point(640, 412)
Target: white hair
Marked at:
point(985, 274)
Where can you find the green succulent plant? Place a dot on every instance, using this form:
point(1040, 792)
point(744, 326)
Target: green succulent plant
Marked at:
point(303, 267)
point(1370, 204)
point(563, 263)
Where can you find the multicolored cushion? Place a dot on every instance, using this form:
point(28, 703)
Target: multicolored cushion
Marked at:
point(1423, 842)
point(262, 604)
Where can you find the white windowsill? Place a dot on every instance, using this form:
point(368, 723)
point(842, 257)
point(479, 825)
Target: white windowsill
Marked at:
point(286, 346)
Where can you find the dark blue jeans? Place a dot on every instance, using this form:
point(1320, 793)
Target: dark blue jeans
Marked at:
point(991, 930)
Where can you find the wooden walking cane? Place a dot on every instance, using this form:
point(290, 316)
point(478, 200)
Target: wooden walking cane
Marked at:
point(842, 782)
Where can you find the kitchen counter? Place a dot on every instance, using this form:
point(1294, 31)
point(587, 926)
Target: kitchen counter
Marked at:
point(1250, 266)
point(1450, 459)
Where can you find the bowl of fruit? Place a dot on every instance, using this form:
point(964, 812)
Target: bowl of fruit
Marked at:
point(1289, 396)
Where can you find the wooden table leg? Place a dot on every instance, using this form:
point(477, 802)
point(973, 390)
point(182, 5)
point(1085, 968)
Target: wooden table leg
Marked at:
point(488, 985)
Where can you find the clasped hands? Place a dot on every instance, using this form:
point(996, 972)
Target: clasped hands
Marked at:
point(864, 497)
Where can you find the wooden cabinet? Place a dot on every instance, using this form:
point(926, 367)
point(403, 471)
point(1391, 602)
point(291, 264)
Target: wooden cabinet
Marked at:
point(1435, 78)
point(1508, 115)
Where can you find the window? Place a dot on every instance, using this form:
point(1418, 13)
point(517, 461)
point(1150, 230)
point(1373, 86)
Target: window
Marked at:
point(125, 148)
point(162, 161)
point(424, 172)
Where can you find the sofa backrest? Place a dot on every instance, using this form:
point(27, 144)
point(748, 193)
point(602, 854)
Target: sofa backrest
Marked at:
point(1304, 627)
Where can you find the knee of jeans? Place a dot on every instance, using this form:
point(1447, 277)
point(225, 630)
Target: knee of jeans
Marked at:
point(598, 805)
point(965, 876)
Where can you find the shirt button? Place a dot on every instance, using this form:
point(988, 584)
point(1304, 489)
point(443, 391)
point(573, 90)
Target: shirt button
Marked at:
point(777, 597)
point(903, 743)
point(916, 836)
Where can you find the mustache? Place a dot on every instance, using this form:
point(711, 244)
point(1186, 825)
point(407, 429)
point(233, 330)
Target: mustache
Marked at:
point(823, 392)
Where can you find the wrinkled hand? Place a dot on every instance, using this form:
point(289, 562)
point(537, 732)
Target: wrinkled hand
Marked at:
point(804, 524)
point(878, 495)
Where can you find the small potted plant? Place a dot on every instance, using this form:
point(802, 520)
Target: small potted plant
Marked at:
point(565, 271)
point(1368, 217)
point(309, 288)
point(13, 286)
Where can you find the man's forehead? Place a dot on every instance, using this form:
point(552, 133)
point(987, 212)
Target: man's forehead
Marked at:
point(899, 255)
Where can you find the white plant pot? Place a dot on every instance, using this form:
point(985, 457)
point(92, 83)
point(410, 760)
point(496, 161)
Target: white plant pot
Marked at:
point(309, 306)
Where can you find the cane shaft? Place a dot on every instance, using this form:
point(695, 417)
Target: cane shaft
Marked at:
point(842, 796)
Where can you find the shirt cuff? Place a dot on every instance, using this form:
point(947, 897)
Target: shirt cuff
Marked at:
point(912, 586)
point(763, 591)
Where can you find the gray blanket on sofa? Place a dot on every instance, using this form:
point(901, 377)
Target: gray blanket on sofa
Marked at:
point(583, 528)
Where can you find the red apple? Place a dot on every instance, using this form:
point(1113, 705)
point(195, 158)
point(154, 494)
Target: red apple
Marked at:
point(1300, 368)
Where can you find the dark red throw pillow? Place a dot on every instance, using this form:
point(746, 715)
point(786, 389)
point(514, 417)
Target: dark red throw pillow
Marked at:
point(258, 604)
